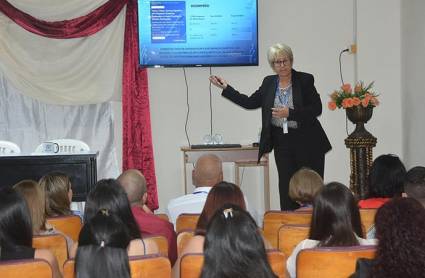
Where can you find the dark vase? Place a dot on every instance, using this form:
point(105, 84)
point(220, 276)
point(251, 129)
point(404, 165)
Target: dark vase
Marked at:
point(359, 115)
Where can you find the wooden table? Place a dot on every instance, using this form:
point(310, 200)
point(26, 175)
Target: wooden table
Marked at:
point(245, 156)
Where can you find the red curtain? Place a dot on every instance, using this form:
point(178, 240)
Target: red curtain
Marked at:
point(66, 29)
point(137, 138)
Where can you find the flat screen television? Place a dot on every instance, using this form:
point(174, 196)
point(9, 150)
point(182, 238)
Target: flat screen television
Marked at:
point(195, 33)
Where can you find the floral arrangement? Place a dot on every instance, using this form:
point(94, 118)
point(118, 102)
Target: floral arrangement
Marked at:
point(346, 97)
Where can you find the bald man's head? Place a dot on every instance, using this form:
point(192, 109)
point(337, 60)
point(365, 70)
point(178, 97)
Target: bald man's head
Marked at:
point(134, 184)
point(208, 171)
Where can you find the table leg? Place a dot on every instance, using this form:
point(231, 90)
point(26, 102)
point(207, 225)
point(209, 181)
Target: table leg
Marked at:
point(266, 187)
point(184, 173)
point(237, 174)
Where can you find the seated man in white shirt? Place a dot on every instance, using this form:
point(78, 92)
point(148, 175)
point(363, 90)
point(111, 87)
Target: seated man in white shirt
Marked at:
point(207, 173)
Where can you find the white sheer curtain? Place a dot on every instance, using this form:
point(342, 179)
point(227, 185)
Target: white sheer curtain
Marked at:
point(60, 88)
point(29, 122)
point(62, 71)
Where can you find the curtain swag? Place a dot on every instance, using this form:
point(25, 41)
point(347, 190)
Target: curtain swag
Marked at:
point(75, 28)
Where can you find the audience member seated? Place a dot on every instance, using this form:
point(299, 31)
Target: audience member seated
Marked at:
point(102, 248)
point(400, 231)
point(134, 184)
point(303, 186)
point(414, 185)
point(16, 231)
point(207, 173)
point(36, 200)
point(221, 194)
point(386, 180)
point(108, 194)
point(58, 191)
point(335, 222)
point(234, 246)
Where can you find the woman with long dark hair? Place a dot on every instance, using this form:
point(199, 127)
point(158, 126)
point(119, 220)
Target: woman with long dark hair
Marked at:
point(108, 194)
point(335, 222)
point(400, 230)
point(16, 231)
point(219, 195)
point(234, 246)
point(102, 248)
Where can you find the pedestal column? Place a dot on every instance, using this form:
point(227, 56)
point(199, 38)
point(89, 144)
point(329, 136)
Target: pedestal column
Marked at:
point(360, 142)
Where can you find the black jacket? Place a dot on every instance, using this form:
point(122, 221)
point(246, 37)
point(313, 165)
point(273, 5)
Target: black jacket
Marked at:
point(310, 136)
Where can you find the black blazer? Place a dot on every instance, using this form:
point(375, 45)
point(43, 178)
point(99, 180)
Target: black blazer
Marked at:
point(310, 136)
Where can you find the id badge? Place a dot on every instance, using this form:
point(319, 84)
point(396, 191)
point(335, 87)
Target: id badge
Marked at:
point(285, 126)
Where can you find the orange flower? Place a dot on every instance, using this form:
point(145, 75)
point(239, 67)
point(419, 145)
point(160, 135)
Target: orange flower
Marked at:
point(356, 101)
point(347, 103)
point(365, 102)
point(358, 88)
point(346, 88)
point(332, 105)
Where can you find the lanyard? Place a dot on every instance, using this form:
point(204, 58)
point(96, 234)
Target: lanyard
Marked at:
point(284, 100)
point(283, 93)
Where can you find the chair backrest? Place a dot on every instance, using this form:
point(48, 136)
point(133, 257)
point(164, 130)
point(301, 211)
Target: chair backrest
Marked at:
point(163, 216)
point(274, 219)
point(140, 267)
point(368, 218)
point(150, 266)
point(191, 264)
point(290, 235)
point(68, 269)
point(187, 221)
point(161, 242)
point(55, 243)
point(63, 146)
point(182, 239)
point(277, 261)
point(69, 225)
point(336, 262)
point(34, 268)
point(9, 148)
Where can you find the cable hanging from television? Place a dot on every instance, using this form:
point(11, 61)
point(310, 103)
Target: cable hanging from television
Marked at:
point(187, 107)
point(342, 82)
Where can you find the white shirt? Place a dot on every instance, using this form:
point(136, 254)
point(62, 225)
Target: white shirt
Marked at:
point(190, 203)
point(291, 263)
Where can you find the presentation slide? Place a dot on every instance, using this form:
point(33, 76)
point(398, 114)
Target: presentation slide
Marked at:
point(198, 33)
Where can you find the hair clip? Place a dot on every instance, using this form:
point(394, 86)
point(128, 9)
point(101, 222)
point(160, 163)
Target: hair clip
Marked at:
point(102, 243)
point(227, 212)
point(104, 212)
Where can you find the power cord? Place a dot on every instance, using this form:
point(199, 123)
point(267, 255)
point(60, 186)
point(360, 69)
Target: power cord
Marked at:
point(211, 108)
point(340, 67)
point(187, 107)
point(342, 82)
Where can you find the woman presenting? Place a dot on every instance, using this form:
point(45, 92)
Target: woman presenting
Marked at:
point(290, 106)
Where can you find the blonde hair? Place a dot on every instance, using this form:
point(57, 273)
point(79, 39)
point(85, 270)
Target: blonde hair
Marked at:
point(279, 49)
point(304, 185)
point(56, 187)
point(34, 196)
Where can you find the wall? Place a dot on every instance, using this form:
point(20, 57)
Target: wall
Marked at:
point(413, 97)
point(317, 31)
